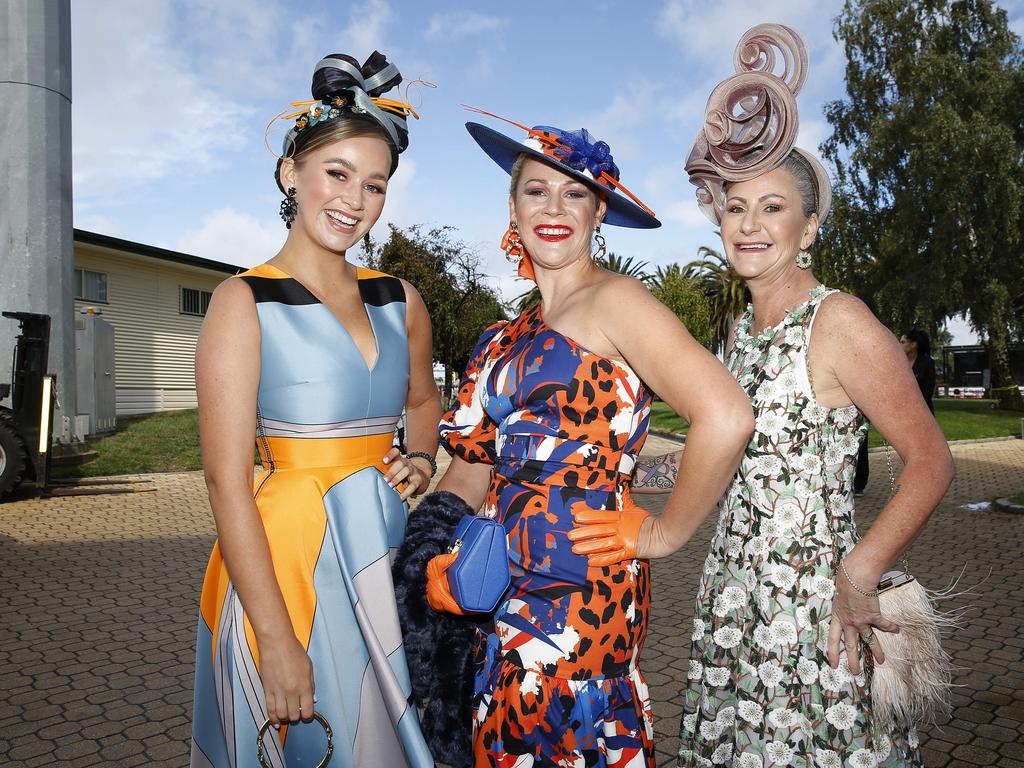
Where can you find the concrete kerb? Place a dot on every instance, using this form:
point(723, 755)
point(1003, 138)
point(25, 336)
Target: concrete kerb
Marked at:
point(973, 441)
point(1006, 505)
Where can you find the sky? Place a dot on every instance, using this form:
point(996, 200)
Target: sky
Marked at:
point(171, 99)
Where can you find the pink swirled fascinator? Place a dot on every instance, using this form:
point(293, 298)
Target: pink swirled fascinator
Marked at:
point(751, 120)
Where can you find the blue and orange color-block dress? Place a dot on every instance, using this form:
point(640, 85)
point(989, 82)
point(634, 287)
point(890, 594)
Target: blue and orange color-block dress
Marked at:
point(557, 681)
point(324, 423)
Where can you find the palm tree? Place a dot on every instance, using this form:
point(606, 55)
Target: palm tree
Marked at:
point(625, 266)
point(728, 293)
point(612, 262)
point(664, 275)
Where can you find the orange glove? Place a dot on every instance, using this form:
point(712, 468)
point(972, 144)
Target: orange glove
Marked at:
point(608, 536)
point(439, 595)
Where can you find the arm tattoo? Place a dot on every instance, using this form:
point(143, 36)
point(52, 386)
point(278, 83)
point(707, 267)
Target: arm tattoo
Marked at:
point(656, 474)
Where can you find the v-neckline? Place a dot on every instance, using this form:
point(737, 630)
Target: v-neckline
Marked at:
point(373, 330)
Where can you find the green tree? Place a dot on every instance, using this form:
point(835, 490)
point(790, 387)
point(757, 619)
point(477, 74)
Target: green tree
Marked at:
point(447, 273)
point(726, 292)
point(927, 147)
point(686, 298)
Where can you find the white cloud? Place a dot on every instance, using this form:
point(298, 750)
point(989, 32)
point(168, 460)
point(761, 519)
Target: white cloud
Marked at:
point(702, 29)
point(450, 26)
point(687, 213)
point(367, 30)
point(398, 209)
point(233, 237)
point(140, 109)
point(103, 225)
point(812, 133)
point(622, 123)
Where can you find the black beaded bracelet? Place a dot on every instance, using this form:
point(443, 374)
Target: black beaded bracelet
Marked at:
point(424, 455)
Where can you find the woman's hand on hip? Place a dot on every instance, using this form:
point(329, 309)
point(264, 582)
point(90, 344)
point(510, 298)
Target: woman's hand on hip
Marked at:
point(287, 675)
point(609, 536)
point(403, 470)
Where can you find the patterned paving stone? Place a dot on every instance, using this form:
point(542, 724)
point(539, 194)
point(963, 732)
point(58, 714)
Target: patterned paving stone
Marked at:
point(98, 616)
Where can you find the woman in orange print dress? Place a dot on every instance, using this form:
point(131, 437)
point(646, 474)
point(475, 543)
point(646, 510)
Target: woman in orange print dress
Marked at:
point(550, 416)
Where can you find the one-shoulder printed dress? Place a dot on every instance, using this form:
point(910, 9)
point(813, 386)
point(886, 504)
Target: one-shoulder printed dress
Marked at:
point(324, 422)
point(557, 682)
point(761, 693)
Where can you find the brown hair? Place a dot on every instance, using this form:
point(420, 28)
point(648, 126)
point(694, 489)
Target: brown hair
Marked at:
point(339, 129)
point(803, 176)
point(806, 183)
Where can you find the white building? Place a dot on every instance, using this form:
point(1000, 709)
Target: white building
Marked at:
point(156, 300)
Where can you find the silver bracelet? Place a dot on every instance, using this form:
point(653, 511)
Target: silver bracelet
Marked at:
point(424, 455)
point(846, 573)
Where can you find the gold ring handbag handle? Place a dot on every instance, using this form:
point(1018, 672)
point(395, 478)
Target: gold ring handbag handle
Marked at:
point(261, 754)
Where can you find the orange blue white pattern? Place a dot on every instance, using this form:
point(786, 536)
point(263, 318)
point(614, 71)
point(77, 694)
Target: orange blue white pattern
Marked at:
point(557, 681)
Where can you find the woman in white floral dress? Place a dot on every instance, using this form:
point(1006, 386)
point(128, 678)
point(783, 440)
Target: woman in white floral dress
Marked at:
point(775, 673)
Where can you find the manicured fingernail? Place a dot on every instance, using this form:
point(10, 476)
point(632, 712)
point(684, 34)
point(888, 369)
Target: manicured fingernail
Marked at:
point(387, 460)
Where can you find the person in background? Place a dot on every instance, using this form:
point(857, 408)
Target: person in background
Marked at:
point(918, 349)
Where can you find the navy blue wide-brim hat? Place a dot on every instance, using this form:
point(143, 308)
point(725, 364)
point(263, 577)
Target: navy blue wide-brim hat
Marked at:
point(576, 154)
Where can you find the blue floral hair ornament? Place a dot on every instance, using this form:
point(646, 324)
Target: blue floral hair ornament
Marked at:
point(578, 151)
point(574, 152)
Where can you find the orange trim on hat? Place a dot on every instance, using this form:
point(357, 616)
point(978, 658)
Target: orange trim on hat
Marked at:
point(550, 143)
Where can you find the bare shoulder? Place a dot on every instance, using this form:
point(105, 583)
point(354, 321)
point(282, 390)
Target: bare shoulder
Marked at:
point(416, 314)
point(847, 319)
point(232, 304)
point(622, 290)
point(412, 296)
point(232, 294)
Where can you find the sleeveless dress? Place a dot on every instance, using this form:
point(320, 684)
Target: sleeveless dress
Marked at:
point(557, 682)
point(324, 421)
point(761, 691)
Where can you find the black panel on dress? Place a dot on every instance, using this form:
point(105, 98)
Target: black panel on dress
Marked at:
point(378, 291)
point(279, 290)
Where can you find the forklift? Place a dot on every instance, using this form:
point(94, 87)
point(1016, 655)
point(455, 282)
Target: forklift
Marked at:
point(26, 427)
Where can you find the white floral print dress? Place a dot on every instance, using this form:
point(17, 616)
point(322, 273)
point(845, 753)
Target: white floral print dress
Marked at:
point(761, 692)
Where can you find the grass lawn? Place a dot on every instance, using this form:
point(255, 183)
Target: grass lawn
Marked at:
point(159, 442)
point(959, 420)
point(169, 442)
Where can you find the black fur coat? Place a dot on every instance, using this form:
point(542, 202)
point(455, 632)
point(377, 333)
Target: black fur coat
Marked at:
point(438, 646)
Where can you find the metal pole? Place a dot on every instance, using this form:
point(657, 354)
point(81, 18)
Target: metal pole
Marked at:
point(36, 229)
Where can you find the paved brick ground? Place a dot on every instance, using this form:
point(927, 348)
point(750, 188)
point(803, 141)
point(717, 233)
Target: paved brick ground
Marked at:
point(99, 597)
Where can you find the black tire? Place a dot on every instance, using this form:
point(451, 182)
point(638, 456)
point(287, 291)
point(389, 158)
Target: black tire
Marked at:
point(12, 458)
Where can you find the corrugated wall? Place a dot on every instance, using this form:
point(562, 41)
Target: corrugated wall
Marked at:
point(154, 344)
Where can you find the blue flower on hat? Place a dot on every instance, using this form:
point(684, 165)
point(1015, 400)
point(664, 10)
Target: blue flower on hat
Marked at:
point(580, 152)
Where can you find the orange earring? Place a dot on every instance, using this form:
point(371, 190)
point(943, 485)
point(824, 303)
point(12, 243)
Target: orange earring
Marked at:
point(512, 245)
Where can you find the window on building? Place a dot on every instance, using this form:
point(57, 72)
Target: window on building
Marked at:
point(90, 286)
point(194, 301)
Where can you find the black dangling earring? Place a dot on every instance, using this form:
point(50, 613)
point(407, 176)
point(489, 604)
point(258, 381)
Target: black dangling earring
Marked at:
point(289, 207)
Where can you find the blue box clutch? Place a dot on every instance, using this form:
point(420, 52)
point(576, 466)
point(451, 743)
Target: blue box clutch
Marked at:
point(480, 576)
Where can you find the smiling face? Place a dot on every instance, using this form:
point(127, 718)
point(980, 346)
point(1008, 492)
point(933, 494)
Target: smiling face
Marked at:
point(340, 189)
point(555, 213)
point(764, 226)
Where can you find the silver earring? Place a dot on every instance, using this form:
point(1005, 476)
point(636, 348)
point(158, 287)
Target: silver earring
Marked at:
point(803, 260)
point(602, 248)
